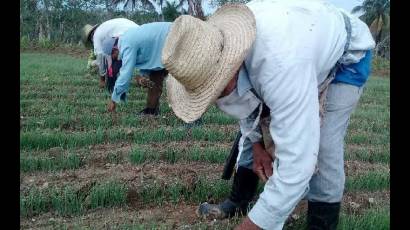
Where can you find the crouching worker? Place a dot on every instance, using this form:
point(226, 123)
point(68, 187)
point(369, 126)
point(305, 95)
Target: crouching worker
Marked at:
point(282, 54)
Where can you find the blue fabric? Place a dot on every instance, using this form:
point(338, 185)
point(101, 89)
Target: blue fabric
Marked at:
point(243, 83)
point(355, 74)
point(141, 48)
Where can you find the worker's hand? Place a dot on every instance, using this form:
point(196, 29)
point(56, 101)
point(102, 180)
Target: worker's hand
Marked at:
point(262, 162)
point(247, 224)
point(111, 106)
point(144, 82)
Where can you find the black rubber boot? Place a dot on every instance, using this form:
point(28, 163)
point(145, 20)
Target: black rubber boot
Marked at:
point(196, 123)
point(244, 187)
point(323, 216)
point(149, 111)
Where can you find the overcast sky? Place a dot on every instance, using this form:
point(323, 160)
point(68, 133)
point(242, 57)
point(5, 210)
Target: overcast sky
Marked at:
point(209, 9)
point(345, 4)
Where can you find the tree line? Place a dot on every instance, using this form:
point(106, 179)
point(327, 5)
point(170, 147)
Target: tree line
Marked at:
point(61, 20)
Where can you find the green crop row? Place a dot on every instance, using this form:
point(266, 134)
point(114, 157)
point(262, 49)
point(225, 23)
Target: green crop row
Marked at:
point(68, 201)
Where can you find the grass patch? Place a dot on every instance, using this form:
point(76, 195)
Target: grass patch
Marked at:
point(35, 202)
point(30, 163)
point(61, 107)
point(69, 201)
point(108, 194)
point(379, 155)
point(46, 140)
point(140, 155)
point(203, 190)
point(66, 201)
point(370, 181)
point(373, 219)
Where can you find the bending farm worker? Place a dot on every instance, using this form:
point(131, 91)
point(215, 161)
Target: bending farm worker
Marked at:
point(140, 47)
point(94, 36)
point(289, 55)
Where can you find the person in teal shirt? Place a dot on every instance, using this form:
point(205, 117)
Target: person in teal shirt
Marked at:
point(141, 48)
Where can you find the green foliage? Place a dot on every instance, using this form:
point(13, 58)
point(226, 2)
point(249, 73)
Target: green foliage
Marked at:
point(62, 20)
point(30, 163)
point(24, 42)
point(60, 106)
point(108, 194)
point(371, 181)
point(33, 203)
point(378, 218)
point(66, 201)
point(380, 64)
point(170, 11)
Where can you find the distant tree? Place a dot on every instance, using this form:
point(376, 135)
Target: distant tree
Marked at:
point(376, 14)
point(223, 2)
point(149, 5)
point(194, 6)
point(170, 11)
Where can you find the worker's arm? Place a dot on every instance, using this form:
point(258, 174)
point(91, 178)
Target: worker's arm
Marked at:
point(102, 64)
point(246, 124)
point(262, 160)
point(291, 95)
point(128, 57)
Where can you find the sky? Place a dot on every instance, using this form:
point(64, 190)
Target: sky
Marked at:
point(345, 4)
point(208, 8)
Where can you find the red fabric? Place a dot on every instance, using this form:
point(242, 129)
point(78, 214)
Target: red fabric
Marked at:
point(110, 71)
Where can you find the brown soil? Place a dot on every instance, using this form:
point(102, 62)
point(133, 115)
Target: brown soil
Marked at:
point(134, 176)
point(182, 215)
point(354, 168)
point(170, 215)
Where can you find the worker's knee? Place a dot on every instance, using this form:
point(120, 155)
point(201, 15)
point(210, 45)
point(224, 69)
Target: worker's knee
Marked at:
point(326, 186)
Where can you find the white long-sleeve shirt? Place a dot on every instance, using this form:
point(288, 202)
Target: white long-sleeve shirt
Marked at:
point(297, 43)
point(108, 29)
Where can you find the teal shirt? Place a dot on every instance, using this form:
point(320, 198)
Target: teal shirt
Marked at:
point(141, 48)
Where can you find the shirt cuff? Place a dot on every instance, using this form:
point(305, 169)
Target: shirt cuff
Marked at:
point(144, 72)
point(117, 98)
point(264, 218)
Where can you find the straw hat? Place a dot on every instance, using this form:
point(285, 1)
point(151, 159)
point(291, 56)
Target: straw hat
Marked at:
point(86, 34)
point(203, 56)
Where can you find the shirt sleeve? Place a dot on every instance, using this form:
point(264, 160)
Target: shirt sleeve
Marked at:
point(123, 81)
point(102, 65)
point(295, 129)
point(246, 125)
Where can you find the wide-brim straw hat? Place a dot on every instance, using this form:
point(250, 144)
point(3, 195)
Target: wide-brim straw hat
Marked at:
point(203, 56)
point(86, 34)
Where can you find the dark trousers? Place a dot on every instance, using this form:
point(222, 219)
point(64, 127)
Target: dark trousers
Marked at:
point(116, 65)
point(155, 92)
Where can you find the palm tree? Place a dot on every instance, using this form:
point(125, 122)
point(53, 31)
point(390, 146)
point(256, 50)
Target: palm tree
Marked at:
point(170, 11)
point(376, 16)
point(150, 5)
point(194, 6)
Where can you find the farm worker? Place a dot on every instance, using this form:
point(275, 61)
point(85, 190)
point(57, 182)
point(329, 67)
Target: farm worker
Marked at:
point(281, 54)
point(94, 36)
point(141, 48)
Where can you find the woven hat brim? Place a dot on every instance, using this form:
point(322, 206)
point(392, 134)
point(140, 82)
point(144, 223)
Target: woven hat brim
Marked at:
point(87, 38)
point(237, 24)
